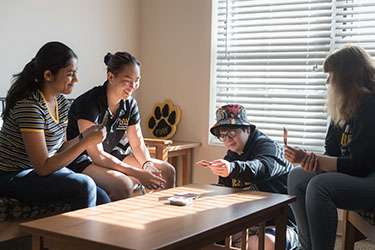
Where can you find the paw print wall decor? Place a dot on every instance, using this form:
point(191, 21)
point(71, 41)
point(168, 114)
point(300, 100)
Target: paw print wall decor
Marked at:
point(162, 123)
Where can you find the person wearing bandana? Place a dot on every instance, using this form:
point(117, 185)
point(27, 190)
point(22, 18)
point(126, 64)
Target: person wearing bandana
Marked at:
point(253, 161)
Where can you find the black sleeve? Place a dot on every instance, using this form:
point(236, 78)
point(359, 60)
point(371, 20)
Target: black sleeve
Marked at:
point(269, 162)
point(134, 116)
point(84, 107)
point(87, 109)
point(332, 141)
point(361, 161)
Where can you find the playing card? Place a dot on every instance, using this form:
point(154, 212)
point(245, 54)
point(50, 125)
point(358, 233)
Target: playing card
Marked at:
point(285, 136)
point(187, 195)
point(204, 163)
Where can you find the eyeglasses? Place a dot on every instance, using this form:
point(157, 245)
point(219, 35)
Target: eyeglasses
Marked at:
point(231, 134)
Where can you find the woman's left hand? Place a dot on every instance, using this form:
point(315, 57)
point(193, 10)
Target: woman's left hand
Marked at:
point(310, 163)
point(220, 167)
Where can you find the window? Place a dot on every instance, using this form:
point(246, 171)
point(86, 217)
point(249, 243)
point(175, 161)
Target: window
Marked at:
point(268, 55)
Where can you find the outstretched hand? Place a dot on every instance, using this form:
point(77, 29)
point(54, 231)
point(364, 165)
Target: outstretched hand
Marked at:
point(294, 154)
point(220, 167)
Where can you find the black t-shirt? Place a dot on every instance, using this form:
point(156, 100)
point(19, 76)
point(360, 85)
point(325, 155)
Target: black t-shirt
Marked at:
point(92, 105)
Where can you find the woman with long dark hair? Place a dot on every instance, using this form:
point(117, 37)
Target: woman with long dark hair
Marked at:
point(33, 151)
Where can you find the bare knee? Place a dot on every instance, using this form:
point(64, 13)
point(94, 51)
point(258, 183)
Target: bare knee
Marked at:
point(121, 188)
point(168, 173)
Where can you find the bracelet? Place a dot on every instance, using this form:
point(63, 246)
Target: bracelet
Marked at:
point(147, 164)
point(80, 136)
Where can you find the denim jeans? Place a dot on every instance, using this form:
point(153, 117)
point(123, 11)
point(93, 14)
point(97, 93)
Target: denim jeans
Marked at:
point(64, 185)
point(319, 196)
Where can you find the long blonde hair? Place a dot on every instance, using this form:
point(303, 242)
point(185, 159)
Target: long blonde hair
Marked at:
point(352, 77)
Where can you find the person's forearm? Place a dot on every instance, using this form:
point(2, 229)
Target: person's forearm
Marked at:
point(68, 144)
point(62, 159)
point(327, 163)
point(141, 153)
point(109, 161)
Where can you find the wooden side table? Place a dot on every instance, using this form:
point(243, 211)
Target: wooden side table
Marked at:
point(168, 150)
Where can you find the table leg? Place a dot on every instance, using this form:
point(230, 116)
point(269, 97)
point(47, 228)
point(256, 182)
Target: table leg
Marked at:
point(261, 236)
point(228, 242)
point(281, 220)
point(186, 167)
point(37, 242)
point(161, 153)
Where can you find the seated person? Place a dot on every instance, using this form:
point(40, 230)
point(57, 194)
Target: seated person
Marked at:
point(344, 176)
point(112, 168)
point(253, 161)
point(33, 153)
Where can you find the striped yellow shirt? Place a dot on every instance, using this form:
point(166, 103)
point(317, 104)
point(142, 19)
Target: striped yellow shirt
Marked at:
point(31, 114)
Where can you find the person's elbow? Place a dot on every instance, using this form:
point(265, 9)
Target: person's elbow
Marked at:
point(42, 171)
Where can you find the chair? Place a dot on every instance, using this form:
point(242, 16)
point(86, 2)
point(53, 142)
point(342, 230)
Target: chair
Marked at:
point(357, 226)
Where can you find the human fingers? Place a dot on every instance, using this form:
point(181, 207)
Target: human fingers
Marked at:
point(215, 169)
point(316, 165)
point(217, 163)
point(310, 162)
point(159, 181)
point(303, 162)
point(289, 156)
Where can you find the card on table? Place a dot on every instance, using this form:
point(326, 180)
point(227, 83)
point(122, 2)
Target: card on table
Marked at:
point(187, 195)
point(180, 200)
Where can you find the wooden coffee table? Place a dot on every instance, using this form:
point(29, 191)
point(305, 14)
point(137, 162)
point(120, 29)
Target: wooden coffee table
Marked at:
point(150, 222)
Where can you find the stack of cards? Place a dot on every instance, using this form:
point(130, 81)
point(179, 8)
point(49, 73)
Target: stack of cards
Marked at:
point(187, 195)
point(183, 199)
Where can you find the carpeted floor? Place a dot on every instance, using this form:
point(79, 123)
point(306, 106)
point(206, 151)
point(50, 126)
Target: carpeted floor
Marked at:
point(360, 245)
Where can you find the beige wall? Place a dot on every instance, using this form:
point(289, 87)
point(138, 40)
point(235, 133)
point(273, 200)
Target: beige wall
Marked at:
point(175, 39)
point(170, 37)
point(90, 27)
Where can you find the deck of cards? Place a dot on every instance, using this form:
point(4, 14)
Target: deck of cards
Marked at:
point(180, 200)
point(183, 199)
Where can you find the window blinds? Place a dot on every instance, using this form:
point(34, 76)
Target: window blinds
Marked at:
point(355, 23)
point(269, 56)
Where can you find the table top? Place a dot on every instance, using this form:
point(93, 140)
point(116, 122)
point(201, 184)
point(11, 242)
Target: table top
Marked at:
point(178, 145)
point(150, 222)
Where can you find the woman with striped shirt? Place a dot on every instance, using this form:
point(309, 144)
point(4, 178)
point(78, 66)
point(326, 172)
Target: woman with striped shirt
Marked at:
point(33, 150)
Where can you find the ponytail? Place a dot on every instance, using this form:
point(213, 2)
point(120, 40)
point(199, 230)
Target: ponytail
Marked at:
point(24, 84)
point(52, 56)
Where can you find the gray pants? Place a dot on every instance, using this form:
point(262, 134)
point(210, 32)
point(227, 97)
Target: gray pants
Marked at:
point(319, 196)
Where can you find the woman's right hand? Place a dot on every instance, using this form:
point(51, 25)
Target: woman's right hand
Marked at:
point(151, 179)
point(95, 134)
point(294, 154)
